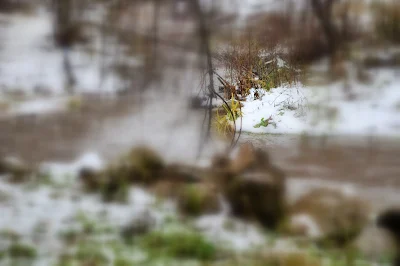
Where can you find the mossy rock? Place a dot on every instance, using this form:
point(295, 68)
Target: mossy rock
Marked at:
point(221, 171)
point(250, 158)
point(181, 173)
point(144, 165)
point(340, 218)
point(92, 180)
point(115, 189)
point(17, 171)
point(176, 176)
point(198, 199)
point(113, 183)
point(166, 189)
point(258, 196)
point(140, 166)
point(254, 188)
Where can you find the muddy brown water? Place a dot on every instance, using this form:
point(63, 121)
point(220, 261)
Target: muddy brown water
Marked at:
point(59, 136)
point(363, 160)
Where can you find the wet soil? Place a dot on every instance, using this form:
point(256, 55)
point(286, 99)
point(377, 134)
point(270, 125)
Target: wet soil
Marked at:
point(371, 161)
point(58, 136)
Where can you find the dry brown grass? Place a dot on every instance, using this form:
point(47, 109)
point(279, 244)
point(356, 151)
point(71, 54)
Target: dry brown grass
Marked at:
point(387, 21)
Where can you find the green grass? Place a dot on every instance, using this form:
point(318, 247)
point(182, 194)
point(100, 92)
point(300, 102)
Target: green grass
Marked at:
point(92, 253)
point(180, 245)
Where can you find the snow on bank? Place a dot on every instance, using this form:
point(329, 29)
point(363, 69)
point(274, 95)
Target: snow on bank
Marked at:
point(58, 205)
point(39, 106)
point(285, 106)
point(348, 108)
point(32, 74)
point(30, 61)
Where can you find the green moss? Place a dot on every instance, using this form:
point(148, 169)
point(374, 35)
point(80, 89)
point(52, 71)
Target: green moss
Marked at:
point(22, 251)
point(183, 245)
point(144, 165)
point(191, 200)
point(198, 199)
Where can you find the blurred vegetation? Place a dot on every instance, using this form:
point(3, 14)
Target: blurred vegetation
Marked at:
point(387, 20)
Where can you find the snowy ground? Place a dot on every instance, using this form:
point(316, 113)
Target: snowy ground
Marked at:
point(56, 203)
point(31, 66)
point(45, 209)
point(373, 109)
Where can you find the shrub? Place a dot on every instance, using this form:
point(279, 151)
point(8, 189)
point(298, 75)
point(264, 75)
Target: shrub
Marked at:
point(234, 110)
point(251, 65)
point(225, 116)
point(387, 20)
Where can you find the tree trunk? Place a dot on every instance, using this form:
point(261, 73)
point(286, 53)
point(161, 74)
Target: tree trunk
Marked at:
point(323, 11)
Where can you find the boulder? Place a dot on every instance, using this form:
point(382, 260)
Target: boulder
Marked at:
point(330, 216)
point(181, 173)
point(259, 196)
point(374, 243)
point(93, 180)
point(250, 158)
point(253, 187)
point(143, 165)
point(166, 189)
point(15, 169)
point(112, 184)
point(174, 177)
point(221, 172)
